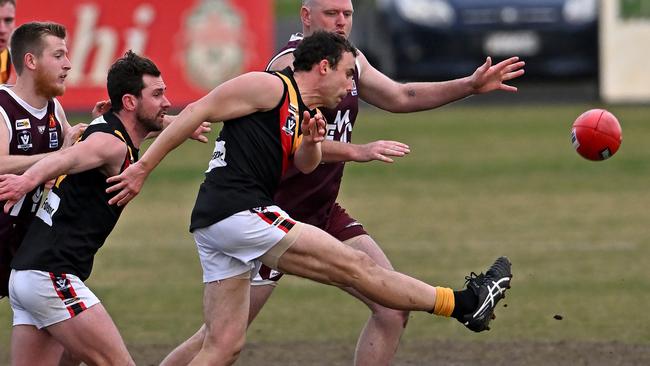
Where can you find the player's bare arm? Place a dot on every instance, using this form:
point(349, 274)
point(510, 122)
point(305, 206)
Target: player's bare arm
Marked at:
point(381, 150)
point(98, 150)
point(243, 95)
point(335, 151)
point(385, 93)
point(13, 164)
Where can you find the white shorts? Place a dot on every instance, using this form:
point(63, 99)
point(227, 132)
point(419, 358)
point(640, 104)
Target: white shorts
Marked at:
point(234, 245)
point(42, 298)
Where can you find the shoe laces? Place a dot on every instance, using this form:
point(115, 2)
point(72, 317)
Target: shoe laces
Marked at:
point(474, 279)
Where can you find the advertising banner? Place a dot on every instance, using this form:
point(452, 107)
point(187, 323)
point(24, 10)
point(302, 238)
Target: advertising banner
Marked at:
point(196, 44)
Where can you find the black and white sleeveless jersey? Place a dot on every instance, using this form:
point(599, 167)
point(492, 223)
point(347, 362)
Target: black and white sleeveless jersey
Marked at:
point(250, 156)
point(75, 219)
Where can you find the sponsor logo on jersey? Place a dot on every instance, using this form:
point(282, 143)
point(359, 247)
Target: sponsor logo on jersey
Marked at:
point(49, 208)
point(354, 88)
point(290, 123)
point(24, 140)
point(71, 301)
point(23, 124)
point(54, 140)
point(218, 159)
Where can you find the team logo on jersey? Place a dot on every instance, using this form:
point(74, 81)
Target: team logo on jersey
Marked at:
point(23, 124)
point(54, 140)
point(354, 88)
point(41, 129)
point(62, 284)
point(290, 123)
point(24, 140)
point(52, 121)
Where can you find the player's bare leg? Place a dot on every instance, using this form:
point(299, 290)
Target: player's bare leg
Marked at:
point(319, 256)
point(101, 343)
point(184, 353)
point(225, 309)
point(380, 336)
point(68, 360)
point(31, 346)
point(260, 294)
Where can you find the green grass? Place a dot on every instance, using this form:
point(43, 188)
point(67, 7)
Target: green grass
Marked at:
point(481, 181)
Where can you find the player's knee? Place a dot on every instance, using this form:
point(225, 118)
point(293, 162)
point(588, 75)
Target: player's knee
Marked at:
point(390, 317)
point(357, 268)
point(225, 347)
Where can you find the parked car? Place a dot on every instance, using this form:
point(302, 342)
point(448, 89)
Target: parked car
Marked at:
point(442, 39)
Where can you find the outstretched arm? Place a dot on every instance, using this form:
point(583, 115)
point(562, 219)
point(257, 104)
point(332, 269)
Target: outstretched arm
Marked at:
point(238, 97)
point(381, 150)
point(17, 164)
point(379, 90)
point(98, 150)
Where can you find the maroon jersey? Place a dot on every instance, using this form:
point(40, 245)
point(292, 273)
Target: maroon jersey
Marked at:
point(31, 131)
point(310, 197)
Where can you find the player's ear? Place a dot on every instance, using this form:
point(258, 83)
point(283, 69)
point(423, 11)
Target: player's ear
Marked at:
point(129, 102)
point(29, 61)
point(323, 65)
point(305, 16)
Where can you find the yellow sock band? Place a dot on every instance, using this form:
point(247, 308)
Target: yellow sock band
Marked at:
point(444, 301)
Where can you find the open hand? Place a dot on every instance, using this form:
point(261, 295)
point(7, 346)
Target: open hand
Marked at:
point(488, 78)
point(382, 151)
point(128, 183)
point(313, 128)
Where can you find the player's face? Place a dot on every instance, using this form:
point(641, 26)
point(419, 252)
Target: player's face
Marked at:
point(152, 104)
point(331, 16)
point(7, 23)
point(52, 68)
point(339, 81)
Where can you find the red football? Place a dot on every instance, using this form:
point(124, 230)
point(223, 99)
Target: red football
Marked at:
point(596, 134)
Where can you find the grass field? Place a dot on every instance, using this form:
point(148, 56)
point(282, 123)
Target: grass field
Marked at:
point(481, 181)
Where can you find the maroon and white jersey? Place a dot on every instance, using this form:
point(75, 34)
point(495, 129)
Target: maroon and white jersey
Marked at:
point(31, 131)
point(310, 197)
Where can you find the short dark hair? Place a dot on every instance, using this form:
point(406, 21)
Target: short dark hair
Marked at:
point(125, 77)
point(319, 46)
point(28, 38)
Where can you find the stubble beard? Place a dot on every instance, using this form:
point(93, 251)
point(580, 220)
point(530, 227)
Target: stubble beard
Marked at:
point(150, 124)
